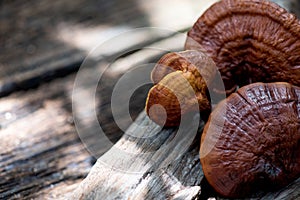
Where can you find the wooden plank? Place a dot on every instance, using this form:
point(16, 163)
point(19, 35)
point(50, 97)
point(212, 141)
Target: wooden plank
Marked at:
point(181, 178)
point(136, 176)
point(39, 146)
point(41, 153)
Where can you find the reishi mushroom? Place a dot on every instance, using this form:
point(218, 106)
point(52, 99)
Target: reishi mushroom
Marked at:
point(249, 41)
point(251, 141)
point(181, 81)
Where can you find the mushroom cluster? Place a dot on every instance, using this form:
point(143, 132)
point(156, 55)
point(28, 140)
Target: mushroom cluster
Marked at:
point(252, 138)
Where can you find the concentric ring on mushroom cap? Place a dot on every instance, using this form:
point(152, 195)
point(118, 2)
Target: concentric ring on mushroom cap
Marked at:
point(250, 41)
point(258, 146)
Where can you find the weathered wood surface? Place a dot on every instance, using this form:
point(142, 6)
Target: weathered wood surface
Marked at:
point(135, 174)
point(41, 155)
point(134, 168)
point(39, 147)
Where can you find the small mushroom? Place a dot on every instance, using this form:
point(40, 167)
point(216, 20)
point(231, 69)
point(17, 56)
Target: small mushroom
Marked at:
point(252, 140)
point(180, 86)
point(249, 40)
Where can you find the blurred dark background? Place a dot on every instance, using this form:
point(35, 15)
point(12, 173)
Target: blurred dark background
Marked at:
point(36, 34)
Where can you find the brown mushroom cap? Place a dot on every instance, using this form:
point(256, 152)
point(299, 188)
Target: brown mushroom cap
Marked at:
point(250, 41)
point(252, 140)
point(181, 81)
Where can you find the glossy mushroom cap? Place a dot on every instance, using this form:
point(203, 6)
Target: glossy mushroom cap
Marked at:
point(181, 81)
point(250, 41)
point(252, 140)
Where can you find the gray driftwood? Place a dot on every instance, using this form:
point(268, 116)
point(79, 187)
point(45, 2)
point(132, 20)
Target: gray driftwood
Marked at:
point(141, 170)
point(137, 176)
point(41, 156)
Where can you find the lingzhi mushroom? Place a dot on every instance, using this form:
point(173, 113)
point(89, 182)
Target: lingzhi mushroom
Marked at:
point(179, 87)
point(252, 140)
point(247, 41)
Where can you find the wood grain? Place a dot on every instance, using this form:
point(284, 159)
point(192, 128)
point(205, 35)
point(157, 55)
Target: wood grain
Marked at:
point(116, 176)
point(41, 155)
point(39, 146)
point(41, 152)
point(136, 175)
